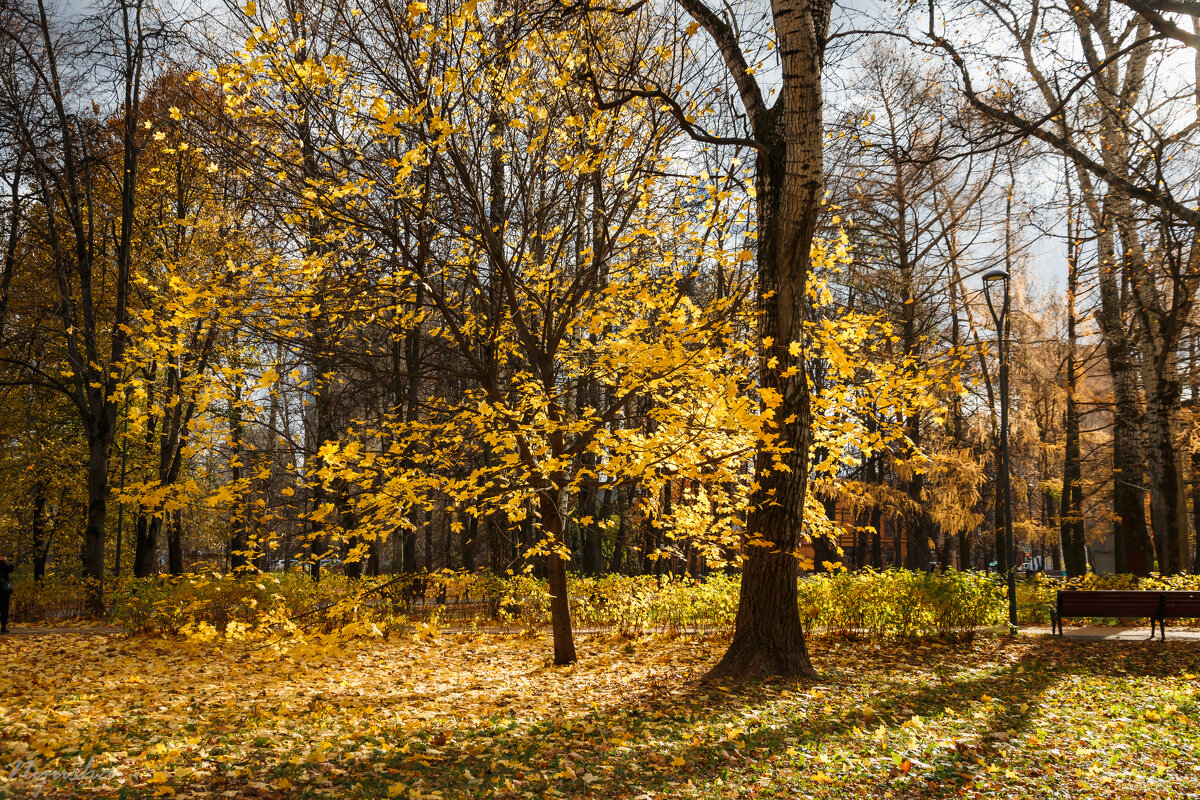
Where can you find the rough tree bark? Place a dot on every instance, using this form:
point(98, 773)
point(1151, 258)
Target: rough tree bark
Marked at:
point(1160, 311)
point(1133, 544)
point(239, 544)
point(40, 526)
point(175, 543)
point(556, 577)
point(1071, 504)
point(789, 180)
point(1195, 386)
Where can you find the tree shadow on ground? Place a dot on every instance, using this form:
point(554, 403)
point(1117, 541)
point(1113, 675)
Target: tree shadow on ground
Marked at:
point(872, 698)
point(991, 708)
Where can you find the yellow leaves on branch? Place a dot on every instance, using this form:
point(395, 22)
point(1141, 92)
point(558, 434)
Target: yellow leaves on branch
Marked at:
point(641, 335)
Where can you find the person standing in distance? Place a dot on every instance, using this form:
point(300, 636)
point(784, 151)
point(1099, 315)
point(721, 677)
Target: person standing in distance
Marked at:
point(6, 590)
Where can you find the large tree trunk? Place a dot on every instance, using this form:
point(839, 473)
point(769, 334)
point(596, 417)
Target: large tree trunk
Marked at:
point(239, 545)
point(1168, 497)
point(145, 545)
point(877, 537)
point(1072, 491)
point(429, 546)
point(406, 383)
point(556, 576)
point(99, 447)
point(322, 518)
point(768, 638)
point(1160, 379)
point(1071, 504)
point(1196, 508)
point(666, 563)
point(616, 565)
point(824, 548)
point(1134, 549)
point(1161, 301)
point(39, 531)
point(789, 184)
point(175, 543)
point(958, 422)
point(399, 562)
point(352, 562)
point(469, 535)
point(917, 529)
point(590, 531)
point(410, 545)
point(14, 236)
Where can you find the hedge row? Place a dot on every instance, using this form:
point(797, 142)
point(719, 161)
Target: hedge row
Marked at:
point(878, 604)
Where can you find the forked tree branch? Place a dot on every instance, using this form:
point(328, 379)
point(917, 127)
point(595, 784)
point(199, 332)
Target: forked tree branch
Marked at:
point(619, 97)
point(726, 41)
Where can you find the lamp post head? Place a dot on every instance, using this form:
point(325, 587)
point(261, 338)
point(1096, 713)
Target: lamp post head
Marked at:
point(989, 278)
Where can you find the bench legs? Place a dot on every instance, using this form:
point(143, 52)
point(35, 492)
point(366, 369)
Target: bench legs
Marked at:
point(1056, 625)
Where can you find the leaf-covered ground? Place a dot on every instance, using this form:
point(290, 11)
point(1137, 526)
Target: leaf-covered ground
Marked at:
point(484, 715)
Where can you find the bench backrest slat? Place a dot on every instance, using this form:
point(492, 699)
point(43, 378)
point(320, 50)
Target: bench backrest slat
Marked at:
point(1181, 604)
point(1128, 603)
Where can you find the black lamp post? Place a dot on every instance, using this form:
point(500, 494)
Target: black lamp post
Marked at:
point(1001, 320)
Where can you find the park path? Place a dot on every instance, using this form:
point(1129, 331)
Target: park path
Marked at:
point(1106, 633)
point(80, 630)
point(1089, 633)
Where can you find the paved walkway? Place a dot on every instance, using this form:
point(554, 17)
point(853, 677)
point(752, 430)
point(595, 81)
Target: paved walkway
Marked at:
point(1090, 633)
point(1103, 633)
point(82, 630)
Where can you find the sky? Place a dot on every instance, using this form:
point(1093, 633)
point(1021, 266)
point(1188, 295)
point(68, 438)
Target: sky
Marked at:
point(1045, 262)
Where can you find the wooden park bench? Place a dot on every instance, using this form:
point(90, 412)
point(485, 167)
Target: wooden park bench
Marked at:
point(1155, 604)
